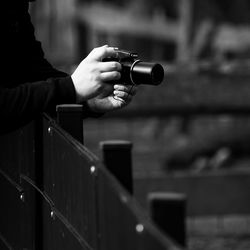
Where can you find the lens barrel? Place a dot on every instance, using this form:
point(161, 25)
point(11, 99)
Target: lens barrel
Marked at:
point(139, 72)
point(146, 73)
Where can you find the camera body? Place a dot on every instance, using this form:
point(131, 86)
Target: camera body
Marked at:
point(135, 71)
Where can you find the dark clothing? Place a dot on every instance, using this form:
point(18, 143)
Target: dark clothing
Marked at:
point(29, 85)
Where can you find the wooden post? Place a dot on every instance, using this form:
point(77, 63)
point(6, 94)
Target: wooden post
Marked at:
point(168, 211)
point(117, 158)
point(185, 8)
point(70, 118)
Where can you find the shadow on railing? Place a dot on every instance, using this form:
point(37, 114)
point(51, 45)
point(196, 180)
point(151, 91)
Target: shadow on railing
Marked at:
point(56, 194)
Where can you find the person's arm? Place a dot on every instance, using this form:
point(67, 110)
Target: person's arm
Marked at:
point(23, 103)
point(87, 85)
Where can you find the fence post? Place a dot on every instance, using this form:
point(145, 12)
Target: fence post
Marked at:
point(168, 211)
point(70, 118)
point(117, 158)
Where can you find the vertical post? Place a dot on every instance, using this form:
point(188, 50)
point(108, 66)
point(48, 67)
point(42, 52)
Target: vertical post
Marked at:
point(70, 118)
point(168, 211)
point(39, 174)
point(117, 158)
point(185, 8)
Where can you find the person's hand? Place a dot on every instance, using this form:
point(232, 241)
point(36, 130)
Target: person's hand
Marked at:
point(115, 97)
point(91, 76)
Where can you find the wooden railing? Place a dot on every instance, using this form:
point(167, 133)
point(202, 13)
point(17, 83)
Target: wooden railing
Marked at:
point(56, 194)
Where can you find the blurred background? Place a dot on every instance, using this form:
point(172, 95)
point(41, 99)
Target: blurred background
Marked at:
point(197, 120)
point(183, 31)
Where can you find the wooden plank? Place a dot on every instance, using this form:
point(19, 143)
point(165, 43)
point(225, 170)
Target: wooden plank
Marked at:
point(59, 235)
point(19, 216)
point(207, 194)
point(69, 183)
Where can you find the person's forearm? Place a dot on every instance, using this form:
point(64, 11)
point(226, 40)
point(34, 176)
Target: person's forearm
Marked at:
point(21, 104)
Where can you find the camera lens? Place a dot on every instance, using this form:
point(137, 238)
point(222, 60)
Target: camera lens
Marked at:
point(157, 74)
point(147, 73)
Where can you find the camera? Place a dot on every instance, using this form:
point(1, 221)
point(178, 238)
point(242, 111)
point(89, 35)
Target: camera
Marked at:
point(135, 71)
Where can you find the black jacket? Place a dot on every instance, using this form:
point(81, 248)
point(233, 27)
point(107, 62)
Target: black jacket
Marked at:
point(29, 85)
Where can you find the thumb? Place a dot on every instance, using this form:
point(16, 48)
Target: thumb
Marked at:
point(99, 53)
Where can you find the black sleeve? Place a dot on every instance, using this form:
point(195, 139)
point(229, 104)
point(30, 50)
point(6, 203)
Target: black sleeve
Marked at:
point(21, 104)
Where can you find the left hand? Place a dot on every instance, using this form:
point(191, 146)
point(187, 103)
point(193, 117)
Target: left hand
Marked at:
point(115, 97)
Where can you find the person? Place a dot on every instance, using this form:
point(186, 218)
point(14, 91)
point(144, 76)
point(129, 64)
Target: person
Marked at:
point(30, 85)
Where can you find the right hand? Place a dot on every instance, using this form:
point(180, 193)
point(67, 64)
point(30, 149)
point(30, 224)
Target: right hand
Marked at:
point(91, 76)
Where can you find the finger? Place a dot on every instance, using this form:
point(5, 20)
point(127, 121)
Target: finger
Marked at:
point(121, 94)
point(103, 52)
point(110, 66)
point(123, 102)
point(126, 97)
point(110, 76)
point(131, 89)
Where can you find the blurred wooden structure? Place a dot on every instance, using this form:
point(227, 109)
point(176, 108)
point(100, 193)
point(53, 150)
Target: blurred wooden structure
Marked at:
point(106, 19)
point(69, 26)
point(55, 22)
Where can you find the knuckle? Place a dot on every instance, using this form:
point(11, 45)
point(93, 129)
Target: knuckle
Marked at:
point(95, 74)
point(94, 50)
point(113, 65)
point(98, 52)
point(102, 50)
point(121, 87)
point(119, 94)
point(92, 79)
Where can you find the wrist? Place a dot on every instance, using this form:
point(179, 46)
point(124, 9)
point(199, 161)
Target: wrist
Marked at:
point(78, 97)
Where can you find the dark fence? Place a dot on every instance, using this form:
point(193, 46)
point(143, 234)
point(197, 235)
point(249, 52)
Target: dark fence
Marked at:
point(55, 194)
